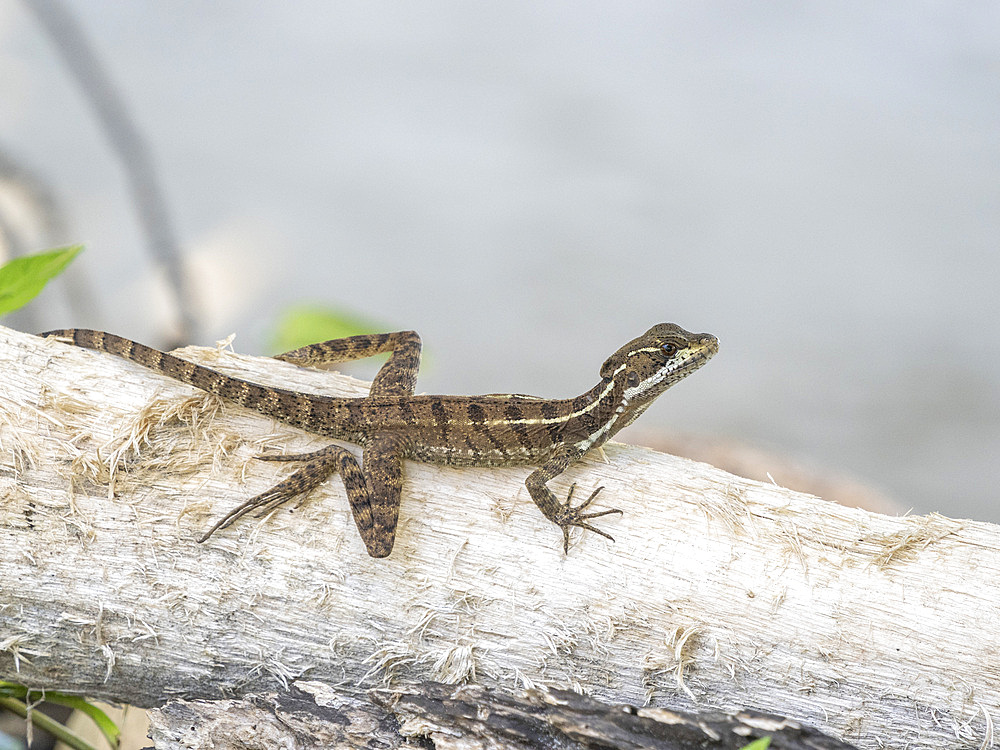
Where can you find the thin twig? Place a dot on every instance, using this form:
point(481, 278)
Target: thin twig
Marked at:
point(125, 138)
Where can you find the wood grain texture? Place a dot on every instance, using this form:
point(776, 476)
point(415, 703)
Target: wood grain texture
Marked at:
point(720, 592)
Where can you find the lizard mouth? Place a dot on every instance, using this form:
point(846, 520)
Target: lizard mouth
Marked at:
point(708, 343)
point(706, 348)
point(693, 358)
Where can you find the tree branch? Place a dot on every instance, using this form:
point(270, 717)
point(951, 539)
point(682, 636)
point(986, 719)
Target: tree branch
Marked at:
point(721, 593)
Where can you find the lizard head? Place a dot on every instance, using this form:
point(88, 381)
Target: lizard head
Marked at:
point(645, 367)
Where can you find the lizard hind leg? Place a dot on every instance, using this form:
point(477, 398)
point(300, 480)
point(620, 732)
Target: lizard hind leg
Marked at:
point(383, 474)
point(397, 377)
point(319, 466)
point(373, 492)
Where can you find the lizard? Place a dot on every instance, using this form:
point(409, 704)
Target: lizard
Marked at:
point(392, 423)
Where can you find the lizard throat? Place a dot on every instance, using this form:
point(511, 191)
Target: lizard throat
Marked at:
point(635, 399)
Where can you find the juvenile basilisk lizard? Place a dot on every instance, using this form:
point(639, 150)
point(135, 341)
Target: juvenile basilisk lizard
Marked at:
point(392, 424)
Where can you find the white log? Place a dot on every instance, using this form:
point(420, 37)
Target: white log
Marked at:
point(719, 593)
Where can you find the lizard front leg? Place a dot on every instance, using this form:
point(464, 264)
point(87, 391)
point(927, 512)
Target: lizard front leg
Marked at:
point(563, 515)
point(373, 490)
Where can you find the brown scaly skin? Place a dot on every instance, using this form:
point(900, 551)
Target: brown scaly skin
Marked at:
point(392, 424)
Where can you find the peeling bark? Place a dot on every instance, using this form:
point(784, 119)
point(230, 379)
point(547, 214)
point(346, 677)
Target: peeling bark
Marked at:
point(440, 716)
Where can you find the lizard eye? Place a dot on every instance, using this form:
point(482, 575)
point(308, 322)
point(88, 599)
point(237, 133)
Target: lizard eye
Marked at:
point(669, 349)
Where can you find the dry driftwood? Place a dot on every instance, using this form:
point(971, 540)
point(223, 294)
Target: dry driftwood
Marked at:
point(720, 593)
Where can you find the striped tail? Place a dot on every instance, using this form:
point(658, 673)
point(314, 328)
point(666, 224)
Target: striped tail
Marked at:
point(291, 407)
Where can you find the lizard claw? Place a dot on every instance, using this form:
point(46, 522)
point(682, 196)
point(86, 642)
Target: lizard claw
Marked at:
point(318, 466)
point(570, 516)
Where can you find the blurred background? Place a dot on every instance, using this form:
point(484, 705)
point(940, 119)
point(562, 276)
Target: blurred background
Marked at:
point(531, 185)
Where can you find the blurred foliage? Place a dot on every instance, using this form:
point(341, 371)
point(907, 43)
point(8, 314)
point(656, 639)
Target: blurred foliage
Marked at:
point(23, 278)
point(310, 324)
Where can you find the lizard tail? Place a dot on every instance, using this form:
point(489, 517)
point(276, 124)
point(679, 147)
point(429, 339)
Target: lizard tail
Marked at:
point(291, 407)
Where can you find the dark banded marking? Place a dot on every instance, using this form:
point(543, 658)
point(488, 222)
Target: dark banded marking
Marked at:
point(475, 413)
point(406, 411)
point(551, 412)
point(515, 416)
point(440, 415)
point(495, 440)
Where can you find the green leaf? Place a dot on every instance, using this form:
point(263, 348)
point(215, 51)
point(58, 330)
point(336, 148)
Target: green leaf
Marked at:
point(309, 324)
point(12, 691)
point(762, 744)
point(23, 278)
point(108, 728)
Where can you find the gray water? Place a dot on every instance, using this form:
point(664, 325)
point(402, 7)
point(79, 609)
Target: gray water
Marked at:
point(530, 185)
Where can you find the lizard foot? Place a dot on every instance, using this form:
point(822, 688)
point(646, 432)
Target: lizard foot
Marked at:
point(319, 465)
point(262, 503)
point(570, 516)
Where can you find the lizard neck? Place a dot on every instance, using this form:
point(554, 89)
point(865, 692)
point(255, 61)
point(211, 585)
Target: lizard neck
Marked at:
point(593, 417)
